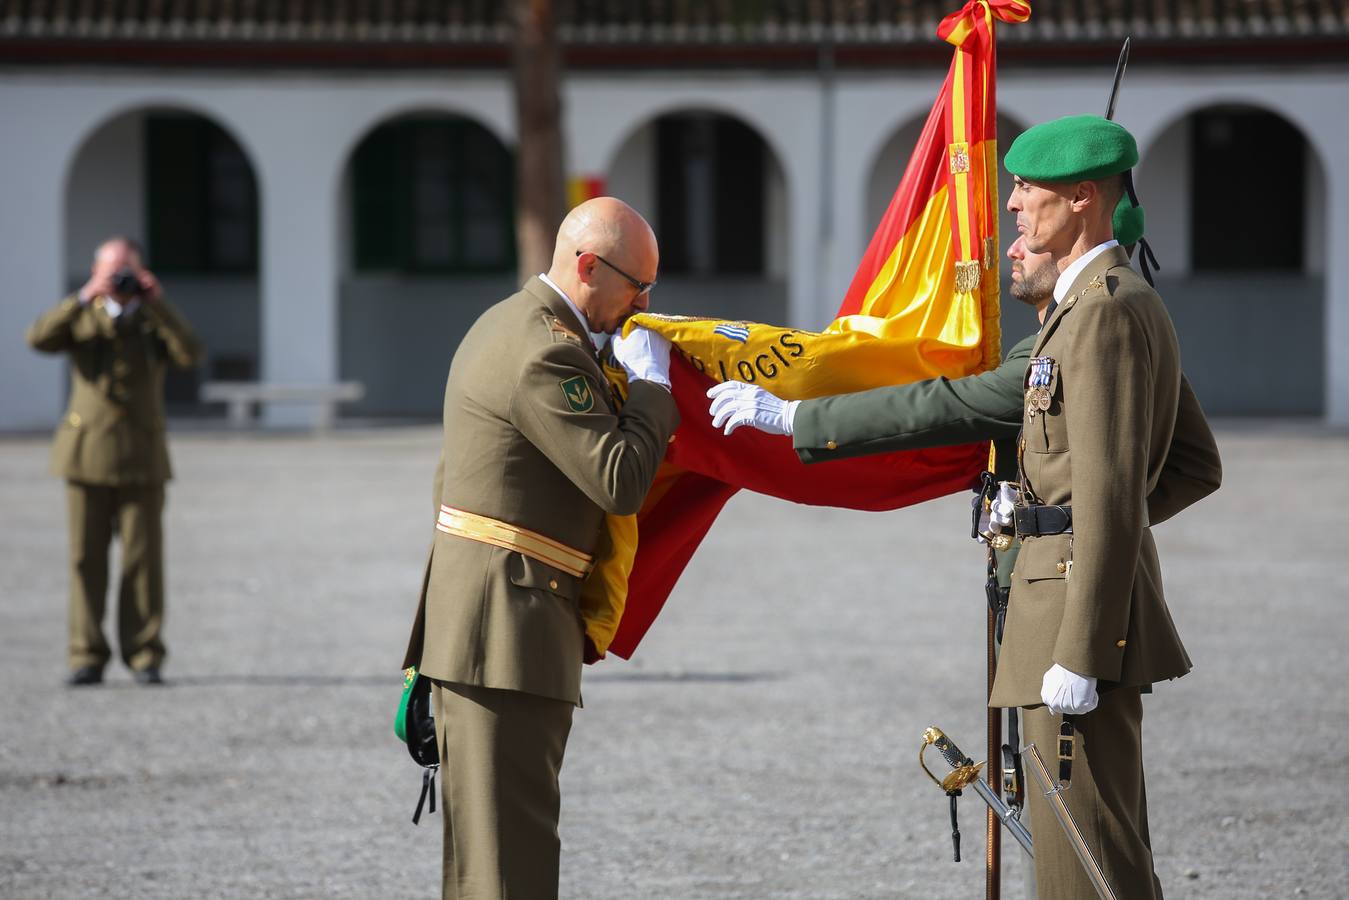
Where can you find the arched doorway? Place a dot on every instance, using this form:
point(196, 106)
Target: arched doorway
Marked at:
point(1235, 201)
point(179, 184)
point(430, 244)
point(716, 194)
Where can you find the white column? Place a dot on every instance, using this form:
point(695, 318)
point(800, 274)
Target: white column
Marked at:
point(32, 183)
point(1337, 282)
point(299, 266)
point(799, 150)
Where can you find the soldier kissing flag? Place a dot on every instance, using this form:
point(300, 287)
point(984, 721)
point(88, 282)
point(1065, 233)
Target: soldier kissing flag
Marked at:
point(924, 303)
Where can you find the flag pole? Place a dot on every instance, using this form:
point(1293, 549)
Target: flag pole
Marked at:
point(993, 845)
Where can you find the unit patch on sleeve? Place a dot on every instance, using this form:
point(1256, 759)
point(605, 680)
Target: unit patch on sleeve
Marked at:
point(577, 391)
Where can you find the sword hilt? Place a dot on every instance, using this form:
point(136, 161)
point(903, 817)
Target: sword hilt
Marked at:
point(964, 771)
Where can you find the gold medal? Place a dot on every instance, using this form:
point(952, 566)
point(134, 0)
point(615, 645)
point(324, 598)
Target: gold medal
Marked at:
point(1043, 398)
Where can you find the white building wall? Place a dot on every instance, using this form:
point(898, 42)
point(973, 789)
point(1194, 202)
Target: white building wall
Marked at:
point(1314, 229)
point(299, 131)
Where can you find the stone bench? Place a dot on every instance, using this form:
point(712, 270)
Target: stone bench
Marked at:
point(240, 396)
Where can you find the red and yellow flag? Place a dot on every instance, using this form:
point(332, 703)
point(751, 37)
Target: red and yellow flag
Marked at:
point(924, 303)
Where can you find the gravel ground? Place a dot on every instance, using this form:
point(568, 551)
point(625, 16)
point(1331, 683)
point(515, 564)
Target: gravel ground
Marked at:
point(762, 743)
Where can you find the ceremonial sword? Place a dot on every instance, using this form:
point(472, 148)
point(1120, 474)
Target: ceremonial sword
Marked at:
point(965, 773)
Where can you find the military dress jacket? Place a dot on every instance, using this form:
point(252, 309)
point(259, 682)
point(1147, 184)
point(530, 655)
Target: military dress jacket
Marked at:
point(989, 406)
point(1091, 600)
point(113, 430)
point(533, 438)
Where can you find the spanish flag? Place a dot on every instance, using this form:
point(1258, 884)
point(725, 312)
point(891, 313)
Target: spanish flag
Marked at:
point(924, 303)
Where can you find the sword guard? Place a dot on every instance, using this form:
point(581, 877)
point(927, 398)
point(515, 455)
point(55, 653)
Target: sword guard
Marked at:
point(964, 771)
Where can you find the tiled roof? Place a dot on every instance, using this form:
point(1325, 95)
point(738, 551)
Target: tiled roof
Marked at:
point(644, 34)
point(618, 22)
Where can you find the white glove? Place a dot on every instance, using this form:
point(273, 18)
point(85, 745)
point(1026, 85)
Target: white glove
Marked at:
point(1068, 692)
point(735, 403)
point(644, 355)
point(1003, 508)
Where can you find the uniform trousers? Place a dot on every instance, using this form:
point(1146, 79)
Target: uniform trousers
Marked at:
point(500, 752)
point(133, 513)
point(1106, 796)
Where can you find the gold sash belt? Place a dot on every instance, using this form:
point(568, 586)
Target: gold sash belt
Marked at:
point(487, 530)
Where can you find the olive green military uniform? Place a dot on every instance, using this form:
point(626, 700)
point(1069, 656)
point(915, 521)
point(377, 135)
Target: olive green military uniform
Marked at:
point(991, 406)
point(533, 439)
point(1091, 599)
point(110, 448)
point(941, 412)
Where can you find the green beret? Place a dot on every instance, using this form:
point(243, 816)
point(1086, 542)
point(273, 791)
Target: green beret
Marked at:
point(1127, 222)
point(1074, 148)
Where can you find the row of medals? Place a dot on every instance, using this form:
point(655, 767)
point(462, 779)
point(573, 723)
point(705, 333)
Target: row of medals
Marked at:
point(1038, 396)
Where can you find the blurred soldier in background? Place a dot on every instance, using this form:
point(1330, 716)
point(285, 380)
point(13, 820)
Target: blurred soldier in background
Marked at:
point(120, 334)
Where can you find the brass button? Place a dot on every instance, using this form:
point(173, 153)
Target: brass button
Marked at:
point(1061, 567)
point(831, 445)
point(74, 419)
point(552, 583)
point(1120, 643)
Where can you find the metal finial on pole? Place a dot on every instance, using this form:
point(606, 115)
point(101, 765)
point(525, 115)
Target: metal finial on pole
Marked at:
point(1119, 76)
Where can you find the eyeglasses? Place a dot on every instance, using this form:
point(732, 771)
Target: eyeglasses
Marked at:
point(643, 287)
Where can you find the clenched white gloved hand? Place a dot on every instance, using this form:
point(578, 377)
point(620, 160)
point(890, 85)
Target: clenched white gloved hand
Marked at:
point(1068, 692)
point(644, 355)
point(1002, 510)
point(735, 403)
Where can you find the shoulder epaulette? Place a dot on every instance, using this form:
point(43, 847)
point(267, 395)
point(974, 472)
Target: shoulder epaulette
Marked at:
point(561, 332)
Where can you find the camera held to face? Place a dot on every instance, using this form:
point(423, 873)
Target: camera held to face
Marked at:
point(126, 283)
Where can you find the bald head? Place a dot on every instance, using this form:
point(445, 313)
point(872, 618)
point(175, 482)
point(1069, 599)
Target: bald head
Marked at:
point(118, 250)
point(603, 246)
point(604, 225)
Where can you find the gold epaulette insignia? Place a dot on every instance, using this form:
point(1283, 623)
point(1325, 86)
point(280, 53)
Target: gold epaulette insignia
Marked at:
point(561, 332)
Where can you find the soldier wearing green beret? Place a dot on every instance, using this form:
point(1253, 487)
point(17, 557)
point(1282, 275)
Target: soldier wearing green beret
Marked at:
point(120, 334)
point(1183, 467)
point(1088, 629)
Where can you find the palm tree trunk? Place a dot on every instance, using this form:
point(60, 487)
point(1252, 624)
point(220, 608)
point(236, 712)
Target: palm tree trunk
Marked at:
point(540, 191)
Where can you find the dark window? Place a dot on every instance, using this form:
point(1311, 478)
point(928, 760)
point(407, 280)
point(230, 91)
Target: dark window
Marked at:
point(710, 178)
point(1232, 225)
point(433, 195)
point(202, 201)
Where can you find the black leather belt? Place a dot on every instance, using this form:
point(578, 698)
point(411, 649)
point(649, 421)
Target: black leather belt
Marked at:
point(1036, 521)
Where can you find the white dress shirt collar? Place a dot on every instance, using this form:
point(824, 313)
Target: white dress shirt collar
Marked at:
point(1069, 275)
point(598, 340)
